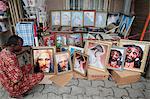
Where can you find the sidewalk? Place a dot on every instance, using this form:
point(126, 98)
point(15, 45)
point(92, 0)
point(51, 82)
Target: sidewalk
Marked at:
point(89, 89)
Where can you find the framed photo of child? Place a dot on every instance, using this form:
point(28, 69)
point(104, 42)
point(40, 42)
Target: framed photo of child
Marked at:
point(80, 63)
point(136, 54)
point(98, 52)
point(63, 62)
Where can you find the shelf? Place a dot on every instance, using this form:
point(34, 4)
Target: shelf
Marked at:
point(4, 32)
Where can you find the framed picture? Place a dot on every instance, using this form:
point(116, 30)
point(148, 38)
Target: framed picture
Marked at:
point(74, 39)
point(64, 48)
point(65, 18)
point(72, 49)
point(117, 58)
point(101, 18)
point(89, 18)
point(136, 54)
point(61, 40)
point(47, 40)
point(80, 63)
point(112, 18)
point(55, 18)
point(43, 59)
point(63, 62)
point(98, 52)
point(77, 19)
point(125, 25)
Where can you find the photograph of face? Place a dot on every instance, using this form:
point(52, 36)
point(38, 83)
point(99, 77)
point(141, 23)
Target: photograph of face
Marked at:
point(77, 19)
point(61, 40)
point(117, 57)
point(80, 63)
point(63, 62)
point(74, 39)
point(134, 55)
point(101, 19)
point(55, 18)
point(97, 54)
point(43, 60)
point(89, 18)
point(65, 18)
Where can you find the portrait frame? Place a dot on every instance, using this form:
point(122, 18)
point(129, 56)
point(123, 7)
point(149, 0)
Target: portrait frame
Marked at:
point(37, 51)
point(60, 40)
point(83, 73)
point(145, 48)
point(101, 18)
point(57, 56)
point(55, 18)
point(105, 45)
point(121, 60)
point(89, 18)
point(66, 18)
point(77, 19)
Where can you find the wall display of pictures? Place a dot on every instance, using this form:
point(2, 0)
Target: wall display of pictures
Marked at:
point(74, 39)
point(43, 59)
point(65, 18)
point(80, 63)
point(117, 58)
point(64, 48)
point(72, 49)
point(101, 18)
point(125, 25)
point(63, 62)
point(112, 18)
point(136, 54)
point(98, 53)
point(77, 19)
point(89, 18)
point(61, 40)
point(55, 18)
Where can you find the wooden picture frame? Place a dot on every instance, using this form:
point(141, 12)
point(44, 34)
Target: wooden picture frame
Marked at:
point(63, 62)
point(65, 18)
point(80, 63)
point(89, 18)
point(136, 61)
point(55, 18)
point(101, 18)
point(43, 59)
point(98, 52)
point(77, 19)
point(117, 58)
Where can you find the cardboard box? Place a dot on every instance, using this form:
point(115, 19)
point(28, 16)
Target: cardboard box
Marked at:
point(97, 75)
point(125, 77)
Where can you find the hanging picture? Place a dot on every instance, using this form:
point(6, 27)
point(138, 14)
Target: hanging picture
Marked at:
point(136, 54)
point(101, 19)
point(63, 62)
point(65, 18)
point(98, 53)
point(77, 19)
point(80, 63)
point(117, 58)
point(89, 18)
point(43, 59)
point(55, 18)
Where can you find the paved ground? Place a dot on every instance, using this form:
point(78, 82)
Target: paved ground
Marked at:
point(86, 89)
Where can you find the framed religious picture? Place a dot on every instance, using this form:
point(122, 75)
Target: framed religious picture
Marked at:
point(64, 48)
point(101, 18)
point(89, 17)
point(72, 49)
point(112, 18)
point(65, 18)
point(98, 52)
point(43, 59)
point(77, 19)
point(63, 62)
point(80, 63)
point(55, 18)
point(136, 54)
point(61, 40)
point(74, 39)
point(116, 58)
point(47, 40)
